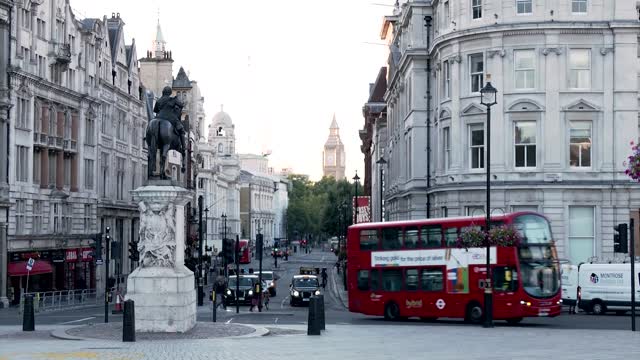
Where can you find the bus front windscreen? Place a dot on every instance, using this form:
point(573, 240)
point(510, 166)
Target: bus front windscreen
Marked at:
point(538, 258)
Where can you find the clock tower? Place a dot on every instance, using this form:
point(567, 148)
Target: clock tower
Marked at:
point(333, 157)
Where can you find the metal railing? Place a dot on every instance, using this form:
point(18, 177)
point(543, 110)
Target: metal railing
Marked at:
point(63, 299)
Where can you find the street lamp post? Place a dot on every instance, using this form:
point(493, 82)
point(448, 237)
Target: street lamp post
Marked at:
point(200, 253)
point(488, 99)
point(224, 239)
point(206, 241)
point(355, 180)
point(381, 162)
point(343, 261)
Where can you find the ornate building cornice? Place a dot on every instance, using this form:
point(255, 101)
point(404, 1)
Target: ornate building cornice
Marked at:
point(605, 50)
point(492, 53)
point(547, 50)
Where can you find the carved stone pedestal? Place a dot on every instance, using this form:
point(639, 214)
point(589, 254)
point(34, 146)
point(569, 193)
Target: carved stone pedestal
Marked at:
point(162, 287)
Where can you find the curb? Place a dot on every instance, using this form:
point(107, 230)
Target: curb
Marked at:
point(265, 313)
point(336, 291)
point(258, 332)
point(62, 335)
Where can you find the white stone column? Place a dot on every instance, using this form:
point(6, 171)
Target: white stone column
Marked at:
point(162, 287)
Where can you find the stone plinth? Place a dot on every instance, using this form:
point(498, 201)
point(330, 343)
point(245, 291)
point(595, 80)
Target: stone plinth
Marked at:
point(162, 288)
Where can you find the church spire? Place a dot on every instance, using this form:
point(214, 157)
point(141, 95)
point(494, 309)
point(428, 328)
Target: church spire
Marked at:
point(334, 123)
point(159, 44)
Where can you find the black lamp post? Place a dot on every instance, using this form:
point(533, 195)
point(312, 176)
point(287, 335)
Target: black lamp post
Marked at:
point(224, 239)
point(200, 253)
point(206, 241)
point(343, 261)
point(488, 99)
point(381, 162)
point(355, 180)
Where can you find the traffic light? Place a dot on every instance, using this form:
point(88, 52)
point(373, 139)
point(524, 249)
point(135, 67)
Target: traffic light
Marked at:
point(621, 239)
point(259, 245)
point(227, 250)
point(134, 255)
point(97, 247)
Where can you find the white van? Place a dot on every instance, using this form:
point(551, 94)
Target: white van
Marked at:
point(607, 287)
point(569, 276)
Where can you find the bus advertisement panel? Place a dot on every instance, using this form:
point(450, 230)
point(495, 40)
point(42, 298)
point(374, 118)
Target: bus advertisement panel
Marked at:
point(416, 269)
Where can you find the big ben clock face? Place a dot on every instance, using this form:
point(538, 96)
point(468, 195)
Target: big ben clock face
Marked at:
point(330, 160)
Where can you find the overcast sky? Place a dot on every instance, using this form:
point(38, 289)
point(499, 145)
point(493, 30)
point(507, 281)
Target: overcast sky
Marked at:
point(280, 67)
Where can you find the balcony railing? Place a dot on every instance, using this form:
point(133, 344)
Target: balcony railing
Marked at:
point(40, 140)
point(55, 142)
point(70, 146)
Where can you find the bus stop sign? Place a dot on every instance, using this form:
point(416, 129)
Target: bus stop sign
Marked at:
point(30, 264)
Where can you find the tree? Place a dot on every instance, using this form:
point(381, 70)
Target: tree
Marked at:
point(316, 208)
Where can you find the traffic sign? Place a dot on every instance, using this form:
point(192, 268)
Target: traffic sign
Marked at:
point(30, 264)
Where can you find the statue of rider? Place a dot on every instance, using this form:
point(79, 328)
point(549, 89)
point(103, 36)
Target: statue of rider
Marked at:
point(170, 108)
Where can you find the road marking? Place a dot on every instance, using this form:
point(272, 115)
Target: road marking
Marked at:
point(229, 321)
point(75, 321)
point(276, 322)
point(282, 303)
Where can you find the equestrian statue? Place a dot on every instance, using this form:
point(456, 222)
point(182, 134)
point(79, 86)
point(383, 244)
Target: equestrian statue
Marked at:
point(165, 131)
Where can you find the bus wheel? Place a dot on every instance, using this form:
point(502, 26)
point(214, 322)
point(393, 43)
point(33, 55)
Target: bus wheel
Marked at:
point(391, 312)
point(598, 308)
point(474, 314)
point(514, 321)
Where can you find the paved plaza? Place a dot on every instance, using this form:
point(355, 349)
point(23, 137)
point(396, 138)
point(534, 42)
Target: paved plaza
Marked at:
point(345, 342)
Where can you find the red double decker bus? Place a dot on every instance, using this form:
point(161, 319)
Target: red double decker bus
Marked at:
point(245, 252)
point(416, 269)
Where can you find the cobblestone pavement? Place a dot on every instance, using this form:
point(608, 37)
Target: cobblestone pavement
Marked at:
point(353, 342)
point(113, 331)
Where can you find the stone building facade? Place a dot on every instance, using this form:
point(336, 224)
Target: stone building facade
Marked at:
point(6, 9)
point(219, 181)
point(566, 112)
point(76, 97)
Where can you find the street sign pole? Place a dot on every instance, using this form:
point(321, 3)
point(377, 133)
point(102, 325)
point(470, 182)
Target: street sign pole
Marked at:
point(30, 264)
point(236, 254)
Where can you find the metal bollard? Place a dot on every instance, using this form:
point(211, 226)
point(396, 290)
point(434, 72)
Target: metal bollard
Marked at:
point(129, 322)
point(215, 307)
point(312, 321)
point(320, 312)
point(28, 317)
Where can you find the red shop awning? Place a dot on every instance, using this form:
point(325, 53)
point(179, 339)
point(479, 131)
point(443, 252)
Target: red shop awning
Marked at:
point(19, 268)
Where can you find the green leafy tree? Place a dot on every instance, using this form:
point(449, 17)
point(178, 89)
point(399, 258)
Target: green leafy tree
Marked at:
point(318, 209)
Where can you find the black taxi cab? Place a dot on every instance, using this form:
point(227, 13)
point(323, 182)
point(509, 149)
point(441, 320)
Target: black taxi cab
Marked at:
point(302, 288)
point(241, 292)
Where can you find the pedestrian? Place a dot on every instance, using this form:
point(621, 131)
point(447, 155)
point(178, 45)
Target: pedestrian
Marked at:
point(338, 266)
point(220, 287)
point(324, 278)
point(255, 299)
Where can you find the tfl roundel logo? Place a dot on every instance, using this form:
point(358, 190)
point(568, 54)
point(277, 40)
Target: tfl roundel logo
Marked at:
point(594, 278)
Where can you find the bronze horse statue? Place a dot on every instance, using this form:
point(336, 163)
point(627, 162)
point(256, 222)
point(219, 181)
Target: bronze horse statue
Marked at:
point(164, 131)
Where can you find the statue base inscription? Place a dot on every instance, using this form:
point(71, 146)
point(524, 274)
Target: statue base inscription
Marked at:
point(162, 287)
